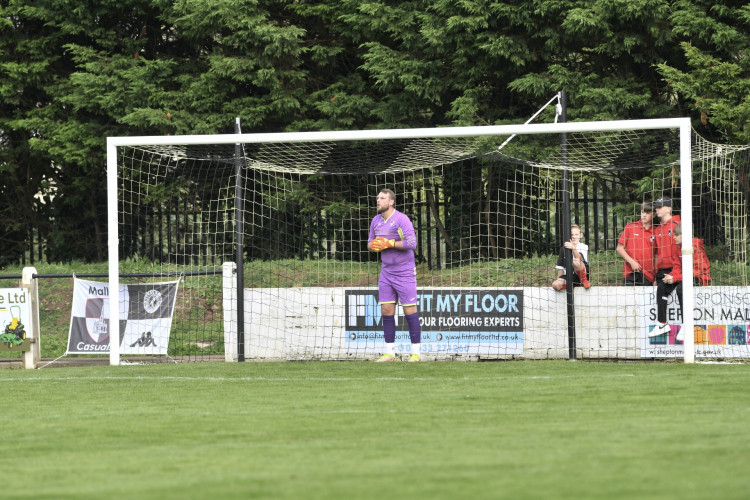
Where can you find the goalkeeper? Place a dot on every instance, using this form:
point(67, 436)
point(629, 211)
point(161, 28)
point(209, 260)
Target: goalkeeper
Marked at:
point(392, 234)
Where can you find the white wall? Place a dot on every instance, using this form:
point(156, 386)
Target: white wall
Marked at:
point(309, 323)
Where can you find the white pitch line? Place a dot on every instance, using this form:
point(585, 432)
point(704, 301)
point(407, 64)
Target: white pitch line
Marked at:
point(298, 379)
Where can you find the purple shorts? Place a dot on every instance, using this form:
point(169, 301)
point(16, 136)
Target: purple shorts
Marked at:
point(401, 289)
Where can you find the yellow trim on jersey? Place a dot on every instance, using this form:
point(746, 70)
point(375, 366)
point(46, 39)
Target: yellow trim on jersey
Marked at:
point(393, 302)
point(401, 234)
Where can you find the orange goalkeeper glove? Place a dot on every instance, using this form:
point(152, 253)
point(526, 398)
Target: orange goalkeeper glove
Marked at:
point(379, 244)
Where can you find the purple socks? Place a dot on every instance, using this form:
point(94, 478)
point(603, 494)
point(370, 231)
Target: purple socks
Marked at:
point(389, 329)
point(412, 320)
point(415, 329)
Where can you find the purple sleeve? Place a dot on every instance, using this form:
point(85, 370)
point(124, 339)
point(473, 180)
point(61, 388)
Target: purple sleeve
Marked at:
point(396, 262)
point(371, 236)
point(409, 239)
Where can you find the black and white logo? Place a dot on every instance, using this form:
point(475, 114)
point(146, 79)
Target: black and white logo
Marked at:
point(152, 300)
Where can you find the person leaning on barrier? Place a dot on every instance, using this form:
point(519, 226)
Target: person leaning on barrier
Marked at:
point(669, 279)
point(636, 247)
point(580, 253)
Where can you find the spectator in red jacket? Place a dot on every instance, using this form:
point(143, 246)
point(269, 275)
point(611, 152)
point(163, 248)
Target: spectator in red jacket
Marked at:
point(668, 276)
point(636, 247)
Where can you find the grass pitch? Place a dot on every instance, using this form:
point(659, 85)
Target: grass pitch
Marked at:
point(551, 429)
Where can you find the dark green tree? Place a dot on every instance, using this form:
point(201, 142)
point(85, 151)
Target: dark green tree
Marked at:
point(602, 53)
point(712, 81)
point(29, 63)
point(73, 73)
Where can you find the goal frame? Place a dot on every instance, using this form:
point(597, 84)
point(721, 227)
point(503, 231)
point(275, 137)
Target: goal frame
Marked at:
point(685, 155)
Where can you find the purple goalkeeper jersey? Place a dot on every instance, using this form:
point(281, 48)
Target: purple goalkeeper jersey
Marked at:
point(397, 227)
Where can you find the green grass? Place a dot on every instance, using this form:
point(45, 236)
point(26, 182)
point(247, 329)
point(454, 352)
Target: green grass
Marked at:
point(372, 431)
point(533, 271)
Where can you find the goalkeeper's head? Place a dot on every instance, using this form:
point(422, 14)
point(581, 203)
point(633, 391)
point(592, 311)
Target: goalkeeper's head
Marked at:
point(386, 200)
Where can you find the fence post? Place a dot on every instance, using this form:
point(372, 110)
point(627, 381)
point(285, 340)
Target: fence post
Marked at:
point(32, 357)
point(229, 303)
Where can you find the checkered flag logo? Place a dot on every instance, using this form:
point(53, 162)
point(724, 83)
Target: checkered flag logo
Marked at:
point(145, 317)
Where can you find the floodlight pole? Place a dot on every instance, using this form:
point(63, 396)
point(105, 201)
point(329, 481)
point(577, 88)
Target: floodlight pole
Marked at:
point(239, 230)
point(565, 228)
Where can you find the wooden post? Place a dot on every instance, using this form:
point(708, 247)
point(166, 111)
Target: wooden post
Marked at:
point(32, 357)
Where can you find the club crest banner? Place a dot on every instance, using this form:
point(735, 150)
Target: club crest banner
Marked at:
point(146, 312)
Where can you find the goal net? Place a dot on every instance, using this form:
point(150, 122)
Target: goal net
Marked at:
point(285, 218)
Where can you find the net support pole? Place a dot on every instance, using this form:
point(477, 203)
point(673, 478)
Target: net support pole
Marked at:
point(239, 231)
point(686, 203)
point(565, 228)
point(114, 255)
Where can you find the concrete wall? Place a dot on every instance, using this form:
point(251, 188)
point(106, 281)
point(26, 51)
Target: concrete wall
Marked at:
point(610, 323)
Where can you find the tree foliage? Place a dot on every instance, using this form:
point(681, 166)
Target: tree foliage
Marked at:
point(73, 73)
point(714, 82)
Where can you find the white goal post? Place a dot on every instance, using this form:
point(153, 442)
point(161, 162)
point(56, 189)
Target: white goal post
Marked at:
point(685, 162)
